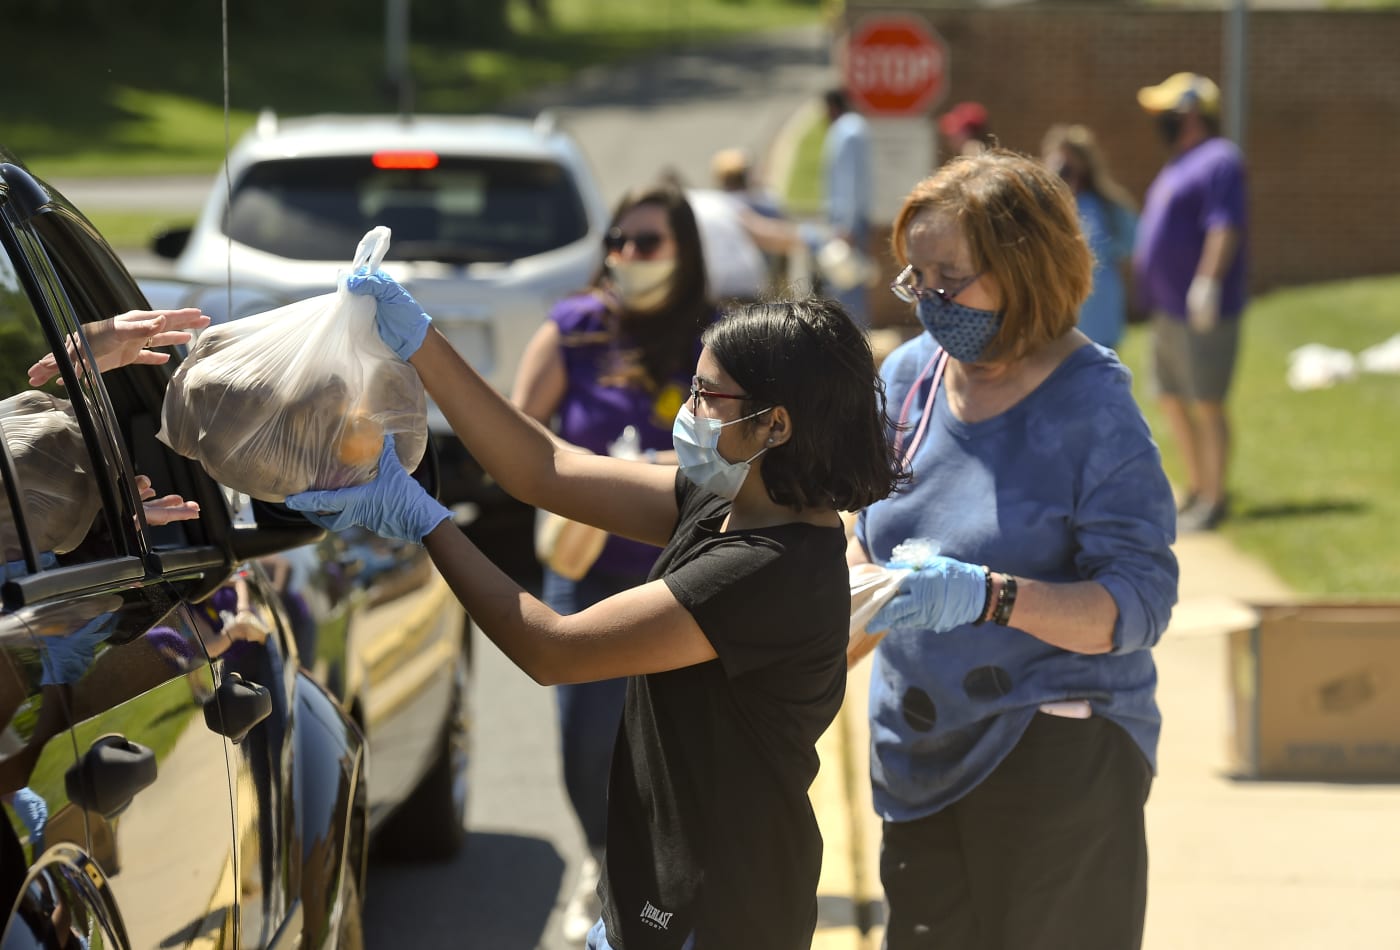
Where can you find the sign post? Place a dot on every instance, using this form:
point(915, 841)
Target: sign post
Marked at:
point(896, 75)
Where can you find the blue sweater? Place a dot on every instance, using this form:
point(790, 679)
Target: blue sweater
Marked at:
point(1067, 485)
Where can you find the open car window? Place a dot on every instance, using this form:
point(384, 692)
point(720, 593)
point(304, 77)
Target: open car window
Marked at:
point(51, 512)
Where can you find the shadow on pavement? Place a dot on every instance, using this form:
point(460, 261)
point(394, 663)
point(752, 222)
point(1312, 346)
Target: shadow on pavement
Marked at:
point(1302, 509)
point(498, 892)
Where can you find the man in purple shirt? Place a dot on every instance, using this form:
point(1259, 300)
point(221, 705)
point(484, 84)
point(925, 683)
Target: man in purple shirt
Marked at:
point(1189, 264)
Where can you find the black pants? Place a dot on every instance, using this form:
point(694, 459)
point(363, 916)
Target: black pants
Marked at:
point(1049, 853)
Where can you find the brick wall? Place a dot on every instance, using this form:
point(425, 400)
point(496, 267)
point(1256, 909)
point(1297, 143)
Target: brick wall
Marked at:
point(1323, 126)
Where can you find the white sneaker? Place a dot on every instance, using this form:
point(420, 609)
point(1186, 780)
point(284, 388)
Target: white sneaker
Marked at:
point(583, 909)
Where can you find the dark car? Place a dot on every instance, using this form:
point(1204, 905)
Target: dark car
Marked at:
point(172, 772)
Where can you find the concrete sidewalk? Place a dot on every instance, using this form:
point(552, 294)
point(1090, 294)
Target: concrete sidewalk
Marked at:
point(1234, 865)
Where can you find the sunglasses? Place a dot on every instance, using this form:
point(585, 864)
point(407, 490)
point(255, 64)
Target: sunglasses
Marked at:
point(905, 288)
point(646, 242)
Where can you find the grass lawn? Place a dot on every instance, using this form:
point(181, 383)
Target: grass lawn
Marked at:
point(147, 102)
point(1314, 474)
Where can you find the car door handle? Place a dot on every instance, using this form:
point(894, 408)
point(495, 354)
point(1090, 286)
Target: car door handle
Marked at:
point(109, 775)
point(236, 707)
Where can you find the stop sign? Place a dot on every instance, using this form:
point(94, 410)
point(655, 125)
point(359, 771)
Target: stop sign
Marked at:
point(895, 66)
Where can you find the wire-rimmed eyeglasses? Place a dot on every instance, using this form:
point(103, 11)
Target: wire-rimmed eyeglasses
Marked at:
point(906, 288)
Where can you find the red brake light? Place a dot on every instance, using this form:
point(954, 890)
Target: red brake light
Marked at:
point(405, 160)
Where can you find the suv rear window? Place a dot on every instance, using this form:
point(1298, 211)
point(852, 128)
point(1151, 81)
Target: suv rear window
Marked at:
point(463, 211)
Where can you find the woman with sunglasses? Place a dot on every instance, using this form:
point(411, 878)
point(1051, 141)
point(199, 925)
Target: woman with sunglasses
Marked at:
point(1013, 715)
point(735, 646)
point(617, 356)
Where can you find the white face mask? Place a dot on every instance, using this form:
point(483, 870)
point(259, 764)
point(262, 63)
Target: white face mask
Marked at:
point(697, 447)
point(642, 285)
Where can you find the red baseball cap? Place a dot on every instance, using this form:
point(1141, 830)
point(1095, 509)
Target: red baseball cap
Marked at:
point(965, 118)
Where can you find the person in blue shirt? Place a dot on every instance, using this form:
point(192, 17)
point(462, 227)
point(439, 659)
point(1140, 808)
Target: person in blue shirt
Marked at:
point(1109, 219)
point(847, 193)
point(1013, 715)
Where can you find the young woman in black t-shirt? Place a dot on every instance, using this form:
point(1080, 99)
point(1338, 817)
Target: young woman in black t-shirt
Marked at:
point(735, 646)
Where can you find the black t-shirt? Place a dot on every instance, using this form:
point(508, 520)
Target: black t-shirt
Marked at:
point(709, 825)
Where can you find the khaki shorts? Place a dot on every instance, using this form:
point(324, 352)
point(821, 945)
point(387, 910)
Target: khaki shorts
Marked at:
point(1196, 367)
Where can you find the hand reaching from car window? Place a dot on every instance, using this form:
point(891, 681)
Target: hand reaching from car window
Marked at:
point(400, 319)
point(167, 508)
point(128, 338)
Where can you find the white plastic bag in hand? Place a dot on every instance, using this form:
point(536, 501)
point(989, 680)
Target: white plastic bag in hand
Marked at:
point(297, 398)
point(871, 588)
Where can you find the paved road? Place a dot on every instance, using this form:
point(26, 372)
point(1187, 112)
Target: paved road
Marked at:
point(177, 194)
point(674, 113)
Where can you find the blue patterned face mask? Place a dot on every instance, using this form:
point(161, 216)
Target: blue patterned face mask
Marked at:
point(964, 332)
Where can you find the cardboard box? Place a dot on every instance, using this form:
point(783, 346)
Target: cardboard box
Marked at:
point(1316, 692)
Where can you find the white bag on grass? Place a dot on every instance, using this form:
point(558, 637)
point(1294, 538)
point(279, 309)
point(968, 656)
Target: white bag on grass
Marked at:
point(297, 398)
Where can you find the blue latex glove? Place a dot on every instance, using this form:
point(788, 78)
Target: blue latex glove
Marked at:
point(33, 811)
point(67, 657)
point(393, 505)
point(401, 322)
point(938, 596)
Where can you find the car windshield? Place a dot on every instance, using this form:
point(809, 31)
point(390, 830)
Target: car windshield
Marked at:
point(463, 211)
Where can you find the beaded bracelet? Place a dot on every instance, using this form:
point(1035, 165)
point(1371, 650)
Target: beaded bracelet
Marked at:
point(1006, 600)
point(986, 597)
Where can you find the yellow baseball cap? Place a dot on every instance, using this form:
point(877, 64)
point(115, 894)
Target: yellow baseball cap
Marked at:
point(1178, 92)
point(730, 161)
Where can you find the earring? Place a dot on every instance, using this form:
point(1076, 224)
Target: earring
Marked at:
point(770, 440)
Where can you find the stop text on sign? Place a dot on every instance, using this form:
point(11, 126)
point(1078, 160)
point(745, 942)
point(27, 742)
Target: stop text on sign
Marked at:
point(896, 66)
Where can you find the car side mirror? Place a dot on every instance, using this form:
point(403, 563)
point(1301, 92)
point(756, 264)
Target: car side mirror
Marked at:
point(170, 243)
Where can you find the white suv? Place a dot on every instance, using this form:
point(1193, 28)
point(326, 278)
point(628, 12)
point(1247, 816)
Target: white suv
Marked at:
point(493, 220)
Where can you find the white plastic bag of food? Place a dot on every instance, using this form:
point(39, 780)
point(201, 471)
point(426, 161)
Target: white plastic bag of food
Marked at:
point(297, 398)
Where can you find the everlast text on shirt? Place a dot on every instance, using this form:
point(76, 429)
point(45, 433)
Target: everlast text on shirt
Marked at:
point(654, 917)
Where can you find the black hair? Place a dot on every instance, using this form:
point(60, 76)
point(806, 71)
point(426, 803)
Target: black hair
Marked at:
point(809, 357)
point(836, 100)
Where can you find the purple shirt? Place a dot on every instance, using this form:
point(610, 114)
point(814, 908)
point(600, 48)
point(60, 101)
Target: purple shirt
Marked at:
point(1198, 190)
point(594, 411)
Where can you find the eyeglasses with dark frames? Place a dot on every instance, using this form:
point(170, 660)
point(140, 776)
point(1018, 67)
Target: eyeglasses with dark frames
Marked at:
point(647, 243)
point(905, 288)
point(696, 392)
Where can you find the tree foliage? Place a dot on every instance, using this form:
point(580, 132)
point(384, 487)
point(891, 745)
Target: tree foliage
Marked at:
point(470, 22)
